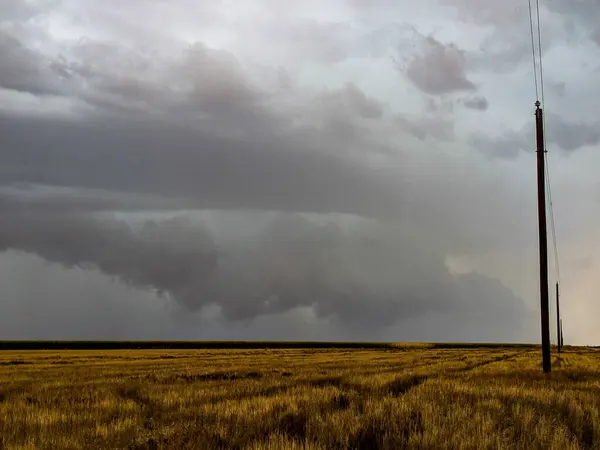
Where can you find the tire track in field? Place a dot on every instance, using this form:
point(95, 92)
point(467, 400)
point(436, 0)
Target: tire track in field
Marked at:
point(487, 362)
point(398, 387)
point(403, 385)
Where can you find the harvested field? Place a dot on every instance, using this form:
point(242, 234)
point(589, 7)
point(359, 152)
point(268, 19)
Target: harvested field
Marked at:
point(378, 396)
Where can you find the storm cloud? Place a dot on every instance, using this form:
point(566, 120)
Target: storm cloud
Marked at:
point(477, 103)
point(253, 171)
point(562, 134)
point(440, 69)
point(347, 273)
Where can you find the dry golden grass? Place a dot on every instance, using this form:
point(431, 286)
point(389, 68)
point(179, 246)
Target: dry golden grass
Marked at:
point(399, 397)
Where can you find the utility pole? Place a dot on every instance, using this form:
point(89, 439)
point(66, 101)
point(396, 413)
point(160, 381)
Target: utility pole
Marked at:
point(562, 342)
point(558, 342)
point(539, 125)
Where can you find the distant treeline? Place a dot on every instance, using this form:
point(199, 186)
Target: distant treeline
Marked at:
point(182, 345)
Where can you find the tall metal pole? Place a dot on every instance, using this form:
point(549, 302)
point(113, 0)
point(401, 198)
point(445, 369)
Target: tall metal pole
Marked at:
point(539, 125)
point(558, 343)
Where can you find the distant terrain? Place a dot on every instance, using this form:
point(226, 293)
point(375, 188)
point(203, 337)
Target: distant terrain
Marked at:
point(294, 395)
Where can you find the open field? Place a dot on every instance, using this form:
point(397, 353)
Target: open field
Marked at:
point(377, 396)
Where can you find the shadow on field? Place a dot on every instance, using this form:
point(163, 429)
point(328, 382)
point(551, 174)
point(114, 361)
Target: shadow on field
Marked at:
point(486, 362)
point(373, 436)
point(557, 378)
point(401, 386)
point(475, 345)
point(151, 412)
point(325, 382)
point(8, 392)
point(580, 424)
point(15, 362)
point(133, 393)
point(214, 376)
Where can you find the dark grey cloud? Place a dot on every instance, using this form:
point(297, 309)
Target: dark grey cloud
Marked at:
point(26, 198)
point(74, 304)
point(315, 167)
point(157, 256)
point(477, 103)
point(190, 83)
point(440, 69)
point(85, 304)
point(596, 36)
point(209, 171)
point(567, 136)
point(434, 126)
point(366, 276)
point(163, 119)
point(353, 99)
point(197, 124)
point(148, 70)
point(578, 15)
point(24, 69)
point(570, 135)
point(508, 146)
point(201, 83)
point(17, 10)
point(489, 13)
point(507, 46)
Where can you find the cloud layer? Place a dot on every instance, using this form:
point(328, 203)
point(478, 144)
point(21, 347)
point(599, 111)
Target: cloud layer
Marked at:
point(363, 275)
point(356, 167)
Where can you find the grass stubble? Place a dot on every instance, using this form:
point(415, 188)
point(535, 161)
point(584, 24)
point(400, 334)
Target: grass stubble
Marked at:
point(420, 397)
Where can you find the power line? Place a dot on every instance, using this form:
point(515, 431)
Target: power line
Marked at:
point(552, 225)
point(539, 33)
point(550, 202)
point(533, 51)
point(539, 88)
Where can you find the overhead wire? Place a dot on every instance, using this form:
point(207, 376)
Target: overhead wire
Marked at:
point(550, 202)
point(540, 89)
point(535, 80)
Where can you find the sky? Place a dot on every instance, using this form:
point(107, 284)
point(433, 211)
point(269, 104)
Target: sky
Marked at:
point(342, 170)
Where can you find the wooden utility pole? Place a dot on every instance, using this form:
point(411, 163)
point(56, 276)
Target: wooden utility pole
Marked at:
point(562, 342)
point(558, 342)
point(541, 180)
